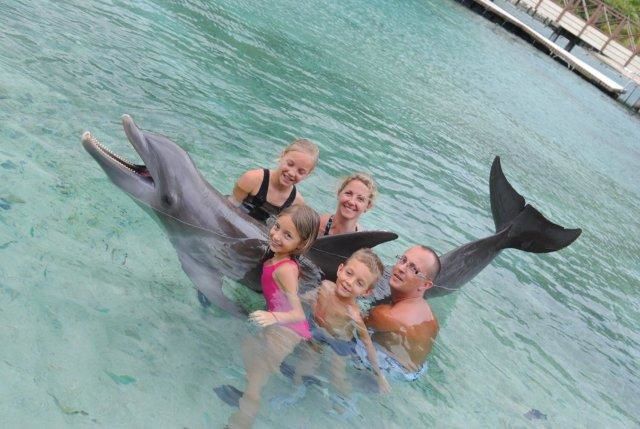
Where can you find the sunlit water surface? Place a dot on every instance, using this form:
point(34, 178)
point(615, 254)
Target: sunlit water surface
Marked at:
point(99, 325)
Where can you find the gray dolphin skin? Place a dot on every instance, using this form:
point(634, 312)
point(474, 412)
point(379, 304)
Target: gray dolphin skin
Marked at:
point(211, 236)
point(214, 239)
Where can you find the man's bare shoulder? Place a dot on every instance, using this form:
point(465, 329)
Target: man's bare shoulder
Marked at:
point(412, 312)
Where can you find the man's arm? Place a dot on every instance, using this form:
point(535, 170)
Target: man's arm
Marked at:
point(407, 332)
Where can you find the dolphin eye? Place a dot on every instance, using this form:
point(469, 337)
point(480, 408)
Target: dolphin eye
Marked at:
point(167, 200)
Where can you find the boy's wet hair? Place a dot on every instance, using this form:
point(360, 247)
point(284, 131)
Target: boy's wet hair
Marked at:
point(304, 146)
point(306, 221)
point(371, 261)
point(366, 180)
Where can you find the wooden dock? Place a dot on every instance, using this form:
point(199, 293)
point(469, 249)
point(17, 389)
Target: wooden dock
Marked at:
point(608, 42)
point(512, 23)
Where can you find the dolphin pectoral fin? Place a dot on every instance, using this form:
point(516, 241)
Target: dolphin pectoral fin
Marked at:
point(203, 300)
point(252, 247)
point(229, 394)
point(506, 203)
point(532, 232)
point(208, 281)
point(250, 253)
point(330, 251)
point(213, 293)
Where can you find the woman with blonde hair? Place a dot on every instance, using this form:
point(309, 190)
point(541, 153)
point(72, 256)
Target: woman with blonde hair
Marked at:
point(355, 195)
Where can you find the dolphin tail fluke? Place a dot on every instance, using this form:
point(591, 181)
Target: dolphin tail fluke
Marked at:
point(532, 232)
point(529, 230)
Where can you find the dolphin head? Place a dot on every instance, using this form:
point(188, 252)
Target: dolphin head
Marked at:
point(154, 182)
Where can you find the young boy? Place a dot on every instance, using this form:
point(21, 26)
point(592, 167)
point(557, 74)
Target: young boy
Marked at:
point(336, 320)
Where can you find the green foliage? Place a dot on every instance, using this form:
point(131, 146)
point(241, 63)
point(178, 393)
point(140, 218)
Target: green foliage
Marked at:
point(630, 8)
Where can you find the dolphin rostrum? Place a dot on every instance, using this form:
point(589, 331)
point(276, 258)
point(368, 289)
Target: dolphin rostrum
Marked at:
point(213, 238)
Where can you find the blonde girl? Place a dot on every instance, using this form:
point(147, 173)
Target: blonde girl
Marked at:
point(263, 193)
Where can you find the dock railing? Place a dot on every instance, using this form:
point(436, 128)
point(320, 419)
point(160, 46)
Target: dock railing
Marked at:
point(598, 25)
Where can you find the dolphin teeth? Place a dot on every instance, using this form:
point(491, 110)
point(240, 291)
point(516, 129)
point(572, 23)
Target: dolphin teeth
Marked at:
point(139, 170)
point(105, 149)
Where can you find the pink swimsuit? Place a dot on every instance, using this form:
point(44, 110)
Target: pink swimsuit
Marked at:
point(277, 300)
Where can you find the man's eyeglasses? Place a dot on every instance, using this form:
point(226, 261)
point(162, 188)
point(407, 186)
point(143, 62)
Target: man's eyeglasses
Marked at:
point(402, 260)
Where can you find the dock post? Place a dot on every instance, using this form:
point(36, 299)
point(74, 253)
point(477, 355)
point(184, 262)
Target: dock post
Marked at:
point(635, 52)
point(615, 33)
point(629, 96)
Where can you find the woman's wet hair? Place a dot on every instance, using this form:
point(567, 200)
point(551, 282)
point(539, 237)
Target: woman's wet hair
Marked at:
point(304, 146)
point(371, 261)
point(366, 180)
point(306, 221)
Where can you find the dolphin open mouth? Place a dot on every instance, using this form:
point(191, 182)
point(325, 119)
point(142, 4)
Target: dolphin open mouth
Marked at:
point(140, 170)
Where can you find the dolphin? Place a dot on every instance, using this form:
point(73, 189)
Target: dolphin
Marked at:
point(214, 239)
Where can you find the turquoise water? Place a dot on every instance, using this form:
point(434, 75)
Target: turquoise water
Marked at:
point(100, 327)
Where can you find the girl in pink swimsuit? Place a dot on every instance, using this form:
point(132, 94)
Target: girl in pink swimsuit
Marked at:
point(284, 323)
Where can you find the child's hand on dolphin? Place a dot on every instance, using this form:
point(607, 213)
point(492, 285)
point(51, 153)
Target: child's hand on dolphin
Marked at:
point(263, 318)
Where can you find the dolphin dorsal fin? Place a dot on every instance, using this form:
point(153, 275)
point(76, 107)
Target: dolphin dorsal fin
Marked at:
point(330, 251)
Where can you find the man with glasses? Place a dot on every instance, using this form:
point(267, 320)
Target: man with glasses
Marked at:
point(405, 328)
